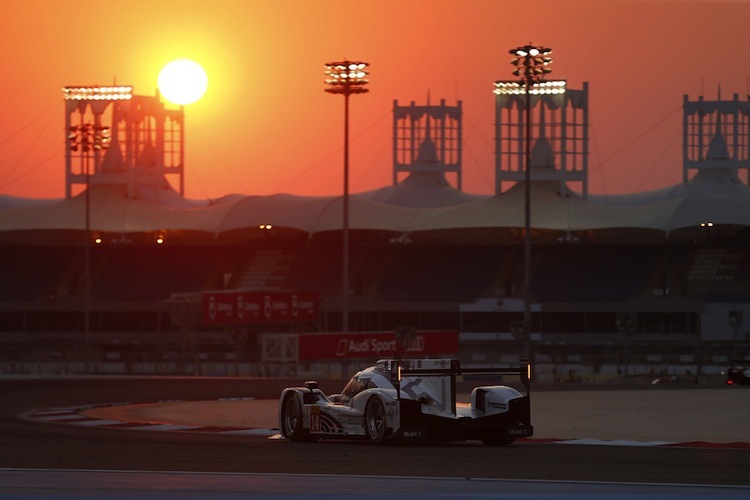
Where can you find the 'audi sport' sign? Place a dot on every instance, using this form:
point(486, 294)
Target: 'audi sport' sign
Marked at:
point(376, 345)
point(239, 308)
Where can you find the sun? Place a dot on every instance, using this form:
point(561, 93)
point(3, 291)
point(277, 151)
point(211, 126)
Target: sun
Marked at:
point(182, 81)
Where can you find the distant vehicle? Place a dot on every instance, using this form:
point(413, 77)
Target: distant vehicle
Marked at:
point(667, 379)
point(409, 400)
point(739, 373)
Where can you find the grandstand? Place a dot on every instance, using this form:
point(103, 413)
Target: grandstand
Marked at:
point(641, 284)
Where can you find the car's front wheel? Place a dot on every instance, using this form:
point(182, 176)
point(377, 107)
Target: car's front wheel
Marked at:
point(375, 420)
point(291, 418)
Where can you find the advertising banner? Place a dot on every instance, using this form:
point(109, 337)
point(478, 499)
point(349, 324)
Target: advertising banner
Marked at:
point(241, 308)
point(377, 345)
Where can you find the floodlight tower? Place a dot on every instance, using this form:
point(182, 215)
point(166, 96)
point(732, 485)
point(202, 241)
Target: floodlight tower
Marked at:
point(541, 134)
point(87, 139)
point(427, 139)
point(116, 137)
point(531, 66)
point(346, 78)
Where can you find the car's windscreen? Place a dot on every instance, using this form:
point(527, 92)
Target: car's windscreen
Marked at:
point(355, 386)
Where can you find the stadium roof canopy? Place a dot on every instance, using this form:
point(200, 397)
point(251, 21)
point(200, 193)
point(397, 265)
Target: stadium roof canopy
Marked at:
point(423, 202)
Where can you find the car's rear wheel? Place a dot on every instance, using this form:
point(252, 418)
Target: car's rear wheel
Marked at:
point(291, 418)
point(497, 439)
point(375, 420)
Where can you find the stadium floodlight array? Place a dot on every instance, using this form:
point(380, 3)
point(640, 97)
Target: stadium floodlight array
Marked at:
point(531, 62)
point(531, 66)
point(346, 77)
point(98, 93)
point(87, 137)
point(536, 88)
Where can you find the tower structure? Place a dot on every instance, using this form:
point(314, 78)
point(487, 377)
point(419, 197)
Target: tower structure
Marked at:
point(716, 136)
point(559, 133)
point(116, 137)
point(427, 139)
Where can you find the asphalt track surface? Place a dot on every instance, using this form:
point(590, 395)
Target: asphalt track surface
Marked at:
point(46, 447)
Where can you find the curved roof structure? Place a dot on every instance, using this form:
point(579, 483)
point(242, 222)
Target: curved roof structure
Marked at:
point(420, 203)
point(717, 183)
point(421, 190)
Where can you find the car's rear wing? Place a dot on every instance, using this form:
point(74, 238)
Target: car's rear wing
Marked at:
point(406, 368)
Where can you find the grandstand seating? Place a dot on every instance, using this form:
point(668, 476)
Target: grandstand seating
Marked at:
point(30, 274)
point(267, 268)
point(315, 269)
point(592, 273)
point(446, 274)
point(715, 264)
point(391, 273)
point(720, 274)
point(148, 273)
point(417, 284)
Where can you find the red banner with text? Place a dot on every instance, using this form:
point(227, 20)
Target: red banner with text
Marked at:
point(240, 308)
point(377, 345)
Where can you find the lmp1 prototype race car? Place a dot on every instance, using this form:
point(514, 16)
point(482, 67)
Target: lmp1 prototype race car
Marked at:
point(409, 400)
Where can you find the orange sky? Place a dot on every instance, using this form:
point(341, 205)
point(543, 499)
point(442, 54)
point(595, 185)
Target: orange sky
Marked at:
point(266, 125)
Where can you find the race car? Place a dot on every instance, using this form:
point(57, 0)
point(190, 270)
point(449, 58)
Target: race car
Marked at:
point(410, 400)
point(738, 373)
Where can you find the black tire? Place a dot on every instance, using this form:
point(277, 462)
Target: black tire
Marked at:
point(497, 439)
point(375, 420)
point(291, 418)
